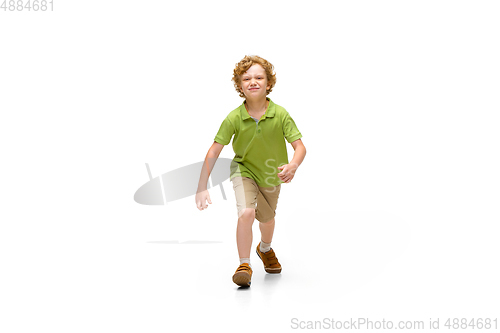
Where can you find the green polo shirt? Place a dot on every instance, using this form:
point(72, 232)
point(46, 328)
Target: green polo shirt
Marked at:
point(259, 147)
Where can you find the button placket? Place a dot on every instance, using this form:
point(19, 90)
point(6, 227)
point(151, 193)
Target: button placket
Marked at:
point(258, 128)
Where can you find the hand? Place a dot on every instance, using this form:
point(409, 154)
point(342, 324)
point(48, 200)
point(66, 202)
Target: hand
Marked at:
point(201, 199)
point(287, 172)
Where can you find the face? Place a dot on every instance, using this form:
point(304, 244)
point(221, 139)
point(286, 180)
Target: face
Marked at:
point(254, 82)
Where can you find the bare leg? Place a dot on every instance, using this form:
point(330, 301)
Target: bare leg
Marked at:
point(267, 231)
point(244, 232)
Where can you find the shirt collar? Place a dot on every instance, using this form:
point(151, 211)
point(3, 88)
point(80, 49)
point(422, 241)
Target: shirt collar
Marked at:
point(269, 112)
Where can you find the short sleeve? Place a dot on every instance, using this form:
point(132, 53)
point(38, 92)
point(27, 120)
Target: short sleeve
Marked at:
point(225, 133)
point(290, 130)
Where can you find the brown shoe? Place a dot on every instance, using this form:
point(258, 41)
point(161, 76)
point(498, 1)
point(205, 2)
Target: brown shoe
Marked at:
point(243, 275)
point(271, 264)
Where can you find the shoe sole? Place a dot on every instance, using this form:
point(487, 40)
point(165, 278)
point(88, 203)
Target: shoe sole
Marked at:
point(269, 270)
point(242, 279)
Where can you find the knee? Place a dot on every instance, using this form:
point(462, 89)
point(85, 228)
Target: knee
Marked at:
point(268, 222)
point(247, 215)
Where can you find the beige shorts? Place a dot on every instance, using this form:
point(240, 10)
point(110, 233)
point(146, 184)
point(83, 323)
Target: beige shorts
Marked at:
point(250, 195)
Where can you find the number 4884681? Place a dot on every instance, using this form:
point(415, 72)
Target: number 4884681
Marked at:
point(27, 5)
point(474, 323)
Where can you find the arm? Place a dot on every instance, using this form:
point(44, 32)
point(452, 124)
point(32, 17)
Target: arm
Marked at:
point(288, 171)
point(300, 152)
point(202, 193)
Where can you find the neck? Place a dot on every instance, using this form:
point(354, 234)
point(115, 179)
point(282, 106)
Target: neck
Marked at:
point(256, 106)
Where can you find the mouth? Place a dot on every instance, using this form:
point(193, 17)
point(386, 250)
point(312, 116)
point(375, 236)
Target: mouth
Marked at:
point(253, 89)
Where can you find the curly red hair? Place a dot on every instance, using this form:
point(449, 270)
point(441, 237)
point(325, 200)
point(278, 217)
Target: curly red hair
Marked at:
point(245, 64)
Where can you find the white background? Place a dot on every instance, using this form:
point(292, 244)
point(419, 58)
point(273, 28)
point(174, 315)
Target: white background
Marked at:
point(392, 215)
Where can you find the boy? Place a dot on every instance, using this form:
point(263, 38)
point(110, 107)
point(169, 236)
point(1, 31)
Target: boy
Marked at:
point(260, 164)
